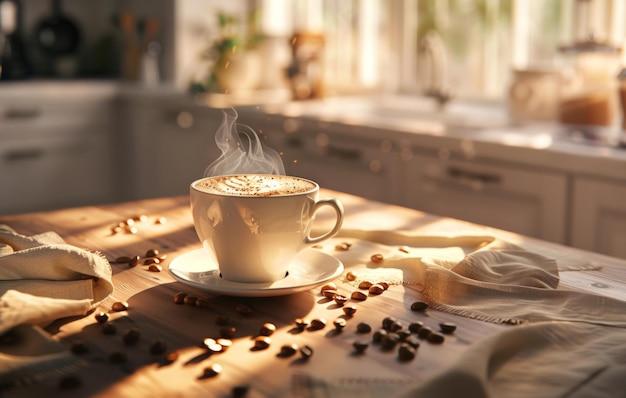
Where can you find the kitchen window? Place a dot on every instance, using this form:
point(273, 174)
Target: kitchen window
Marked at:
point(381, 46)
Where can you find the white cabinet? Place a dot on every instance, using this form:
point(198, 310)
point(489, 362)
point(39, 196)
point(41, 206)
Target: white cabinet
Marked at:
point(168, 144)
point(599, 216)
point(333, 158)
point(525, 201)
point(54, 153)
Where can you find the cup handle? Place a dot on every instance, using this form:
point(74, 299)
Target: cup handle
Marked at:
point(338, 207)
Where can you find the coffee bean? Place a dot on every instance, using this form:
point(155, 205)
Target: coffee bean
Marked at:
point(179, 298)
point(343, 246)
point(190, 300)
point(384, 285)
point(306, 352)
point(406, 352)
point(376, 289)
point(155, 268)
point(152, 253)
point(404, 334)
point(101, 317)
point(447, 327)
point(202, 303)
point(140, 218)
point(288, 350)
point(157, 347)
point(160, 220)
point(396, 326)
point(151, 260)
point(171, 357)
point(379, 335)
point(360, 346)
point(388, 322)
point(117, 357)
point(240, 391)
point(301, 323)
point(119, 306)
point(414, 327)
point(225, 343)
point(228, 332)
point(424, 332)
point(70, 382)
point(212, 346)
point(412, 341)
point(134, 261)
point(79, 347)
point(377, 258)
point(419, 306)
point(435, 338)
point(131, 337)
point(122, 260)
point(389, 341)
point(363, 328)
point(349, 310)
point(339, 323)
point(404, 249)
point(109, 329)
point(328, 286)
point(351, 276)
point(318, 323)
point(329, 293)
point(365, 285)
point(267, 329)
point(357, 295)
point(262, 342)
point(340, 299)
point(212, 370)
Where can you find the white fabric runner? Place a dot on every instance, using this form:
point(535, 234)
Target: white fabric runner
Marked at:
point(566, 343)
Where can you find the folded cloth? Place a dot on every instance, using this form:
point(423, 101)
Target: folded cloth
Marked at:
point(480, 277)
point(42, 278)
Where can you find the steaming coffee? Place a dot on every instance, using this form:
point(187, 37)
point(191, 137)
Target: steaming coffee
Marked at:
point(253, 225)
point(255, 185)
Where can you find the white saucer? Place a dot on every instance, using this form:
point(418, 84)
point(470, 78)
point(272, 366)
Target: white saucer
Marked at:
point(310, 268)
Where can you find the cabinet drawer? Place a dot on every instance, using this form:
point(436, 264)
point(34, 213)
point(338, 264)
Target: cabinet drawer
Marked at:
point(528, 202)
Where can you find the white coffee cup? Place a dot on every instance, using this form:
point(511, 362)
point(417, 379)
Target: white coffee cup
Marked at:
point(253, 225)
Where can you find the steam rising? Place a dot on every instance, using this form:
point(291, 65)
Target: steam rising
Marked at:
point(242, 151)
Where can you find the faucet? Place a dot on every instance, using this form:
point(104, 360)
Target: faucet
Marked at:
point(436, 64)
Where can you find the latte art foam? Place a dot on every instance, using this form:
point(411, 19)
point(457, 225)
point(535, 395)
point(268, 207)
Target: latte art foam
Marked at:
point(255, 185)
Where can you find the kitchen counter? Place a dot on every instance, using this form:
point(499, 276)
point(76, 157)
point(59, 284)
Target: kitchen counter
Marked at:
point(152, 311)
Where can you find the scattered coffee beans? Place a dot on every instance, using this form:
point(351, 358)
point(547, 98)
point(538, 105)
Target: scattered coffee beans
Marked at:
point(243, 309)
point(376, 258)
point(349, 310)
point(79, 347)
point(155, 268)
point(329, 293)
point(343, 246)
point(151, 260)
point(339, 324)
point(157, 347)
point(376, 289)
point(447, 327)
point(117, 357)
point(109, 329)
point(363, 328)
point(288, 350)
point(134, 261)
point(131, 337)
point(359, 296)
point(119, 306)
point(340, 299)
point(212, 345)
point(419, 306)
point(406, 352)
point(424, 332)
point(328, 286)
point(414, 327)
point(435, 338)
point(351, 276)
point(365, 285)
point(306, 352)
point(360, 346)
point(225, 343)
point(388, 322)
point(412, 341)
point(267, 329)
point(152, 253)
point(301, 323)
point(379, 335)
point(211, 370)
point(389, 341)
point(179, 298)
point(202, 303)
point(190, 300)
point(317, 324)
point(101, 317)
point(262, 342)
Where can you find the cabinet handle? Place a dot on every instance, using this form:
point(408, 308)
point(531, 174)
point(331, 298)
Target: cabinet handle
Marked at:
point(468, 175)
point(24, 154)
point(25, 113)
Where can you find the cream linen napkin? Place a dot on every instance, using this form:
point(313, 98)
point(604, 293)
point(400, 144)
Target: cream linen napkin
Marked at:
point(568, 343)
point(43, 279)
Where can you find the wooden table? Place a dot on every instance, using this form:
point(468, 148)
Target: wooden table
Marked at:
point(183, 328)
